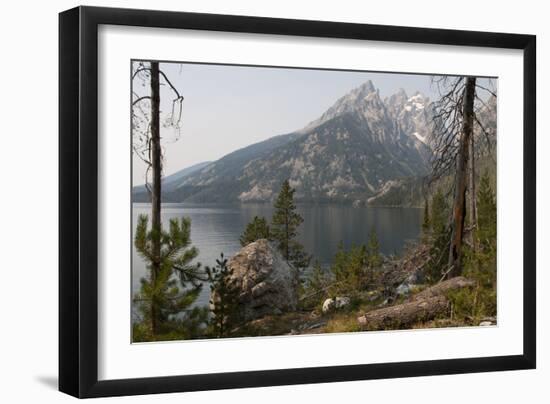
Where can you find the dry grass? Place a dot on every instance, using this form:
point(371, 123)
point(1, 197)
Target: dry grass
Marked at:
point(342, 322)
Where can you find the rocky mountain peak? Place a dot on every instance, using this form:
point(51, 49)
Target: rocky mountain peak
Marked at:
point(361, 98)
point(398, 99)
point(364, 89)
point(357, 97)
point(349, 153)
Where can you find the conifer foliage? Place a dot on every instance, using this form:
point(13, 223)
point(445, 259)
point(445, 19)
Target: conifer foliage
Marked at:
point(439, 233)
point(349, 269)
point(356, 270)
point(224, 301)
point(316, 286)
point(483, 259)
point(487, 212)
point(480, 262)
point(374, 258)
point(284, 228)
point(426, 224)
point(255, 230)
point(163, 301)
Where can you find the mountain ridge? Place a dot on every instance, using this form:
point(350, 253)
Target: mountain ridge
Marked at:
point(348, 154)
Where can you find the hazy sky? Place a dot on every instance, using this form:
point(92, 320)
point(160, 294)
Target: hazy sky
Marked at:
point(229, 107)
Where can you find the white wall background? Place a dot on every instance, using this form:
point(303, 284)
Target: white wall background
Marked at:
point(28, 202)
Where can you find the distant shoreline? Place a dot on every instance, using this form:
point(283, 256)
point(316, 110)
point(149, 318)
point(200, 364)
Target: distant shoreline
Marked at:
point(265, 203)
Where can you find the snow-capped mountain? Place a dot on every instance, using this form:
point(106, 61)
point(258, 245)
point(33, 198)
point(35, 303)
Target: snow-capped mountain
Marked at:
point(349, 153)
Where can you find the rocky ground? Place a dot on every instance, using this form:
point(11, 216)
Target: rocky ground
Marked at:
point(269, 298)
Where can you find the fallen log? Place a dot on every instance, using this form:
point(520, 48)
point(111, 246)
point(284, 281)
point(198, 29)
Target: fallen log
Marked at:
point(403, 315)
point(424, 306)
point(443, 287)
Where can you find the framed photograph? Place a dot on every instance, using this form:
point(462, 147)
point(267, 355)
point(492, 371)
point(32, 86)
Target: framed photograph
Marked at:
point(250, 201)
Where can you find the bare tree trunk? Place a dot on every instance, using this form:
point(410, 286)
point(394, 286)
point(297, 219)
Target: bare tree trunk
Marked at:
point(459, 204)
point(156, 162)
point(473, 196)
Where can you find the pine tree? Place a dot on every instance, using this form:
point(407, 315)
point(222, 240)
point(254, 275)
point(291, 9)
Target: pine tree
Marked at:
point(224, 300)
point(359, 266)
point(440, 211)
point(487, 214)
point(426, 225)
point(339, 266)
point(483, 260)
point(255, 230)
point(374, 259)
point(159, 296)
point(160, 300)
point(480, 263)
point(350, 270)
point(316, 286)
point(440, 239)
point(284, 228)
point(317, 278)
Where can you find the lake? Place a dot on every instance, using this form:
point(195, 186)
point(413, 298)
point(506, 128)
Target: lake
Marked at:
point(217, 228)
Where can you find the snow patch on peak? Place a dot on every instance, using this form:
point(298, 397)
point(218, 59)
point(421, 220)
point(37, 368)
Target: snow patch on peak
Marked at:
point(420, 137)
point(417, 97)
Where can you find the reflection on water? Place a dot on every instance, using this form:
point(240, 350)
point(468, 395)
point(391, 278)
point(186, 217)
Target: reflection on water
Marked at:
point(217, 228)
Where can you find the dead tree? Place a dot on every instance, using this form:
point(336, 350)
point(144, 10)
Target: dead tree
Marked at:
point(473, 194)
point(146, 142)
point(143, 115)
point(453, 154)
point(461, 178)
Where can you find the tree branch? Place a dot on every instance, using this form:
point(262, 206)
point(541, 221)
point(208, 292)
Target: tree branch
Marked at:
point(486, 89)
point(145, 97)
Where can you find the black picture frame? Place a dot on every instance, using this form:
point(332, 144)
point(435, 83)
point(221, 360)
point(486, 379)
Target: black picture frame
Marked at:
point(78, 200)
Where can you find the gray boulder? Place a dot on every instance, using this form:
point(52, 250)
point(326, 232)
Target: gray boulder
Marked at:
point(336, 303)
point(267, 283)
point(487, 321)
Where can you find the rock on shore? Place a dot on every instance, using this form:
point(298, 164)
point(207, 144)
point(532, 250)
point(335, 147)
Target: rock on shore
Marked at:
point(267, 283)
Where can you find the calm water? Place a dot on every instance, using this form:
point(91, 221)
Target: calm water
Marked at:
point(217, 228)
